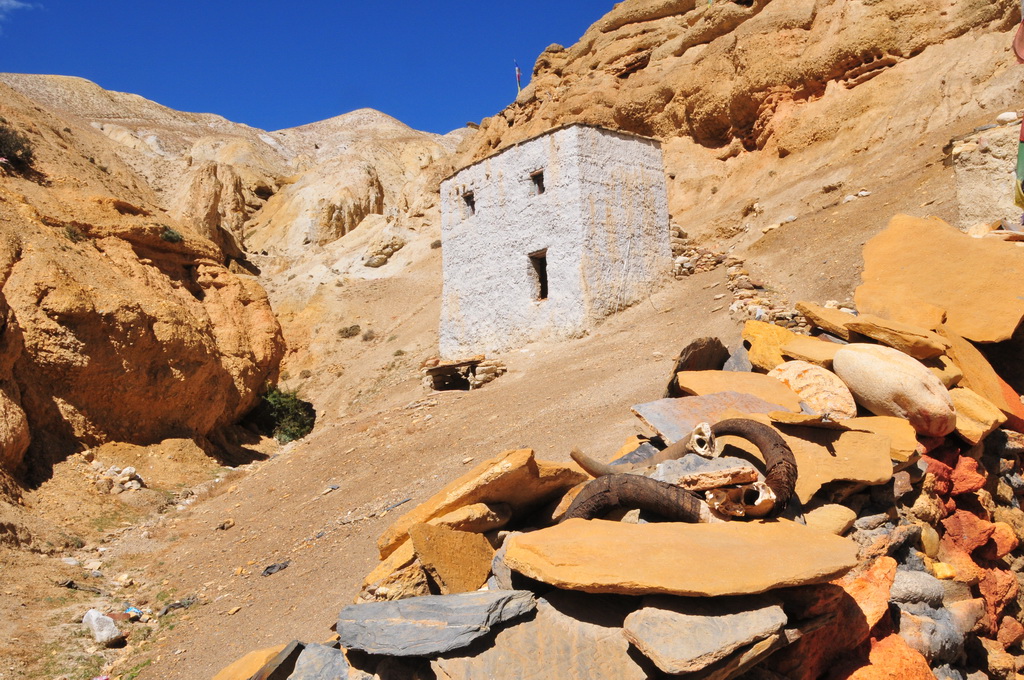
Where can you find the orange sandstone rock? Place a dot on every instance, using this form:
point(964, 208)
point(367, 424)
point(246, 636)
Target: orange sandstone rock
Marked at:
point(598, 556)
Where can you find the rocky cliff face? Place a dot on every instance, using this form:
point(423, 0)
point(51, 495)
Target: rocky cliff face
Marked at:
point(759, 100)
point(120, 321)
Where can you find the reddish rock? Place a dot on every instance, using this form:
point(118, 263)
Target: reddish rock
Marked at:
point(998, 588)
point(998, 664)
point(1002, 541)
point(967, 531)
point(859, 607)
point(966, 478)
point(890, 658)
point(943, 474)
point(1015, 409)
point(964, 568)
point(1011, 632)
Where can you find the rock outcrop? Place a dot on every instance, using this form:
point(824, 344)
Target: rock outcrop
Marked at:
point(733, 88)
point(120, 322)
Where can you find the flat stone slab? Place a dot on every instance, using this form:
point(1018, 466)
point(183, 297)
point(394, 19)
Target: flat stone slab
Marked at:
point(806, 348)
point(429, 625)
point(910, 261)
point(684, 635)
point(674, 558)
point(674, 419)
point(458, 561)
point(709, 382)
point(514, 478)
point(572, 637)
point(826, 455)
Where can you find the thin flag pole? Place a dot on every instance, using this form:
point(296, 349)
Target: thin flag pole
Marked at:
point(519, 77)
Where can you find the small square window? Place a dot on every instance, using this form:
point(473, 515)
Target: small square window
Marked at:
point(538, 182)
point(470, 202)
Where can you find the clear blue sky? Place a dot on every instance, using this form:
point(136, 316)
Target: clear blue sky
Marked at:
point(433, 65)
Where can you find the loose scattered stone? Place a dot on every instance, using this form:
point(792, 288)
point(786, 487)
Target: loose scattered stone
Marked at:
point(104, 630)
point(478, 517)
point(247, 666)
point(700, 355)
point(857, 605)
point(424, 626)
point(891, 657)
point(824, 456)
point(829, 320)
point(714, 629)
point(976, 417)
point(766, 341)
point(917, 586)
point(697, 473)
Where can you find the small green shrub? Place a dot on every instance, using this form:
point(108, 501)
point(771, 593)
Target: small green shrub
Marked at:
point(399, 353)
point(349, 331)
point(369, 334)
point(435, 244)
point(16, 148)
point(171, 236)
point(73, 234)
point(283, 415)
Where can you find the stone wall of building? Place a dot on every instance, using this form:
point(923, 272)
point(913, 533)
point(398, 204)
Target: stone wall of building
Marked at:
point(595, 222)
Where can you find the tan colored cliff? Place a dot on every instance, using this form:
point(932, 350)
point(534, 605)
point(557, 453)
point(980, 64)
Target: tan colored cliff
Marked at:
point(770, 101)
point(121, 322)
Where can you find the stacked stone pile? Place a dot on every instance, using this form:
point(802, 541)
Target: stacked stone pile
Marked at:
point(113, 479)
point(898, 555)
point(689, 258)
point(750, 300)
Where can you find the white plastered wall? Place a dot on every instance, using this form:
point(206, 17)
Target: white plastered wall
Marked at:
point(595, 219)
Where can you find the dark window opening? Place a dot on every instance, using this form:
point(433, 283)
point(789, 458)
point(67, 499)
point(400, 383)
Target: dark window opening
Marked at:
point(470, 203)
point(538, 182)
point(539, 260)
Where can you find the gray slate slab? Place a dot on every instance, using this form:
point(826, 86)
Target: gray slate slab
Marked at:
point(738, 361)
point(638, 455)
point(428, 625)
point(673, 419)
point(501, 575)
point(320, 662)
point(684, 635)
point(573, 636)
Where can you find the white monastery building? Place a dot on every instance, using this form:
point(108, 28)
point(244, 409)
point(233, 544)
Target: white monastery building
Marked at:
point(544, 238)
